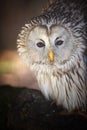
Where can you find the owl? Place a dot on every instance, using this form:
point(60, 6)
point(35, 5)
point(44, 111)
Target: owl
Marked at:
point(53, 45)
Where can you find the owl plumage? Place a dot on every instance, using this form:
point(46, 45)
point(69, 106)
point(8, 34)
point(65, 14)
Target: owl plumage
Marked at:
point(54, 46)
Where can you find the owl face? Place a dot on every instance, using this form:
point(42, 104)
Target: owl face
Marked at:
point(49, 44)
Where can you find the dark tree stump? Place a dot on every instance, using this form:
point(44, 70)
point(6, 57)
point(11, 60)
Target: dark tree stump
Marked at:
point(27, 109)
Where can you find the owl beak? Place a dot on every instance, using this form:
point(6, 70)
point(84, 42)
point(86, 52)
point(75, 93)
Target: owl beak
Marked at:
point(51, 56)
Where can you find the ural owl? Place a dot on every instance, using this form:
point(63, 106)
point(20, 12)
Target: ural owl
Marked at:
point(54, 46)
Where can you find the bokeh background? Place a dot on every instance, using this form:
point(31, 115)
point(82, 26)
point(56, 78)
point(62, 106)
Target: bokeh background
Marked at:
point(14, 14)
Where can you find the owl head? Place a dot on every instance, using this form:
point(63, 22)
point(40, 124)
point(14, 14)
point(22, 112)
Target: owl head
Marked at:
point(54, 38)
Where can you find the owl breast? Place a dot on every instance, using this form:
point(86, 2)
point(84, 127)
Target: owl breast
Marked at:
point(67, 88)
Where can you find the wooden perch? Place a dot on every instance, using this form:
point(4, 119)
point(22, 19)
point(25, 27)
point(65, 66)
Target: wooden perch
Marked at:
point(27, 109)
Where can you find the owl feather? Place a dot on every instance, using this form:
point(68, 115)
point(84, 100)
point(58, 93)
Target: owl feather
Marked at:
point(54, 46)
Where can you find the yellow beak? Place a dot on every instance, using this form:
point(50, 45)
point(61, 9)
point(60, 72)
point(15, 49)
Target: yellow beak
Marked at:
point(51, 56)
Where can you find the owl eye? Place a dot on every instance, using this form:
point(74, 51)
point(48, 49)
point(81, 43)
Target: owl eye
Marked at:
point(59, 42)
point(40, 44)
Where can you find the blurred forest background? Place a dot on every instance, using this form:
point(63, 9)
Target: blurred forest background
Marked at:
point(14, 14)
